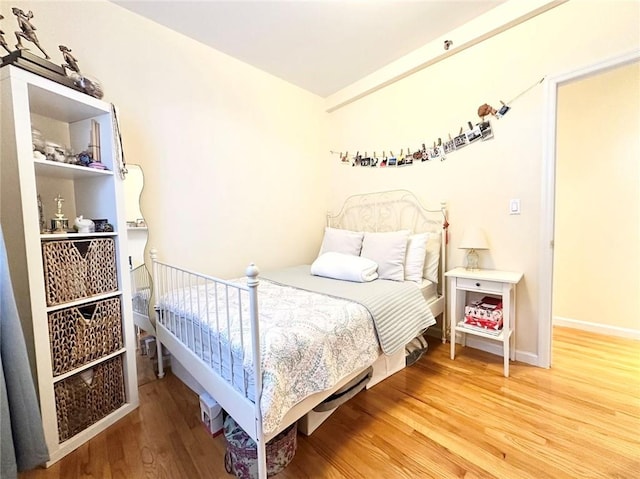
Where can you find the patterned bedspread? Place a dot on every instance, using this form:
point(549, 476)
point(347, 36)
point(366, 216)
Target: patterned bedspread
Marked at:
point(308, 341)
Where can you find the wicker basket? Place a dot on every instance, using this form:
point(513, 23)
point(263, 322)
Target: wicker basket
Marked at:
point(76, 269)
point(87, 397)
point(241, 457)
point(82, 334)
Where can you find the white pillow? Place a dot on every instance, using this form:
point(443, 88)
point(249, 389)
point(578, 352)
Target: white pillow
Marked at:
point(432, 260)
point(345, 266)
point(415, 258)
point(388, 250)
point(341, 241)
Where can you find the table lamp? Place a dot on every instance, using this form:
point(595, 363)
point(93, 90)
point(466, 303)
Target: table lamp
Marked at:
point(473, 239)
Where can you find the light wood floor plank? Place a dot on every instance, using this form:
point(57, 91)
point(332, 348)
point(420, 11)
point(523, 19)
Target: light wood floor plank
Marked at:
point(437, 419)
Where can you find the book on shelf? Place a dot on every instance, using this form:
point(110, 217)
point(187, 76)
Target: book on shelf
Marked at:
point(480, 329)
point(485, 313)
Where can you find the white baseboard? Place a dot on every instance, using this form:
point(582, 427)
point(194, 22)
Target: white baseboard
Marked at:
point(495, 347)
point(605, 329)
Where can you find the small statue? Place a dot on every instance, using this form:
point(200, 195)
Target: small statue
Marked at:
point(3, 42)
point(71, 62)
point(59, 200)
point(27, 31)
point(84, 225)
point(60, 223)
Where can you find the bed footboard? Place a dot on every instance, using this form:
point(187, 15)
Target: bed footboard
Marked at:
point(207, 324)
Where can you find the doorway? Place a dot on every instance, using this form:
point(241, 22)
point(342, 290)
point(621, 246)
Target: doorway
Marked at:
point(548, 203)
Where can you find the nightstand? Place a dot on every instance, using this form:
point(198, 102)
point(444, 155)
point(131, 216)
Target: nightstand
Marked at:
point(484, 282)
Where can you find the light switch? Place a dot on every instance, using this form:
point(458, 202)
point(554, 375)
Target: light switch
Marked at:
point(514, 207)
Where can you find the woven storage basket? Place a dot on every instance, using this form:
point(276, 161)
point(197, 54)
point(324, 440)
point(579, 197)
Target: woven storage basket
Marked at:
point(241, 457)
point(87, 397)
point(76, 269)
point(82, 334)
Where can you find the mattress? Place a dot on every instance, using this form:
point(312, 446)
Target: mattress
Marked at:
point(429, 290)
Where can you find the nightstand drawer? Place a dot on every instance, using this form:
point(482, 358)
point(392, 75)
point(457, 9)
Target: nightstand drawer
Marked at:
point(479, 284)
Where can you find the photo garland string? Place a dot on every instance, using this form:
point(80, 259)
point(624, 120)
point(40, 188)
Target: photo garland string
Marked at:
point(482, 131)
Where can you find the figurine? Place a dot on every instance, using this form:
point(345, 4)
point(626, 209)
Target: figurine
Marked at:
point(70, 61)
point(84, 225)
point(59, 224)
point(27, 31)
point(3, 42)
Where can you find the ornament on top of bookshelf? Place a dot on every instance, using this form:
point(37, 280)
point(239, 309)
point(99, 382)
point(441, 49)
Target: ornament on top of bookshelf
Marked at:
point(27, 31)
point(23, 58)
point(3, 42)
point(90, 86)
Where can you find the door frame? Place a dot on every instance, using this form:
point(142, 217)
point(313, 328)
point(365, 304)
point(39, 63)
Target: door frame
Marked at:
point(547, 209)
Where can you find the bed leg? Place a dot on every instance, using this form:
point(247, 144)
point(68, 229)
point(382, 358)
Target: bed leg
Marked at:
point(160, 360)
point(262, 460)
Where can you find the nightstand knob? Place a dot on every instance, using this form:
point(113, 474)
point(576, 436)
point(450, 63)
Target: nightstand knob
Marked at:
point(477, 285)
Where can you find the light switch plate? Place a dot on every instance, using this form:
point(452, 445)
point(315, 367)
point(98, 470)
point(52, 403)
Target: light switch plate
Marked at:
point(514, 207)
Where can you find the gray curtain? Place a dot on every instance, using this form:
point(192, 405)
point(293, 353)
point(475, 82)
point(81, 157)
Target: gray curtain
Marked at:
point(22, 444)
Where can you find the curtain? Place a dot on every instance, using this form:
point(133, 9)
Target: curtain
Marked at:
point(22, 444)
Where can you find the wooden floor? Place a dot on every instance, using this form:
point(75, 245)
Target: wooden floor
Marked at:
point(436, 419)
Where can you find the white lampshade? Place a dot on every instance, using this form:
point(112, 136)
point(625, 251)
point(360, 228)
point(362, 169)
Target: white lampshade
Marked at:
point(473, 238)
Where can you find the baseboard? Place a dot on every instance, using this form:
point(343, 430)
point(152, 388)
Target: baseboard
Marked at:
point(495, 347)
point(598, 328)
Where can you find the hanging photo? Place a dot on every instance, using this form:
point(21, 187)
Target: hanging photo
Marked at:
point(448, 147)
point(406, 160)
point(424, 155)
point(485, 130)
point(365, 161)
point(473, 134)
point(434, 153)
point(392, 161)
point(460, 141)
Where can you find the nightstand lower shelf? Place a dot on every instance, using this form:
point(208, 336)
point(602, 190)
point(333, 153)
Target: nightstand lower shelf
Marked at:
point(462, 327)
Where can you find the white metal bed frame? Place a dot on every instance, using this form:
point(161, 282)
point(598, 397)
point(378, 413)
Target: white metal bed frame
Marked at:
point(383, 211)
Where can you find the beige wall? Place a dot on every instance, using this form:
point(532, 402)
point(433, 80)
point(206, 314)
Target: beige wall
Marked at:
point(231, 155)
point(236, 161)
point(597, 234)
point(479, 180)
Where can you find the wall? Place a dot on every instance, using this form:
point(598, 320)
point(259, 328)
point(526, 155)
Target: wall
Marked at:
point(236, 163)
point(479, 180)
point(231, 155)
point(597, 240)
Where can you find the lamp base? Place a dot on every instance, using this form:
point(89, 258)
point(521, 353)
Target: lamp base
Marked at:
point(473, 260)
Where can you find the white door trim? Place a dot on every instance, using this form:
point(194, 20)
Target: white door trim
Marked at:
point(547, 204)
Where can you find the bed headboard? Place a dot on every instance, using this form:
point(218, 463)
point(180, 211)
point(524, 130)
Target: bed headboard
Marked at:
point(392, 211)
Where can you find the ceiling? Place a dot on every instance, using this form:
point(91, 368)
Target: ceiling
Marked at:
point(322, 45)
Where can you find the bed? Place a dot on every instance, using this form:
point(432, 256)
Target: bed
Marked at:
point(270, 348)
